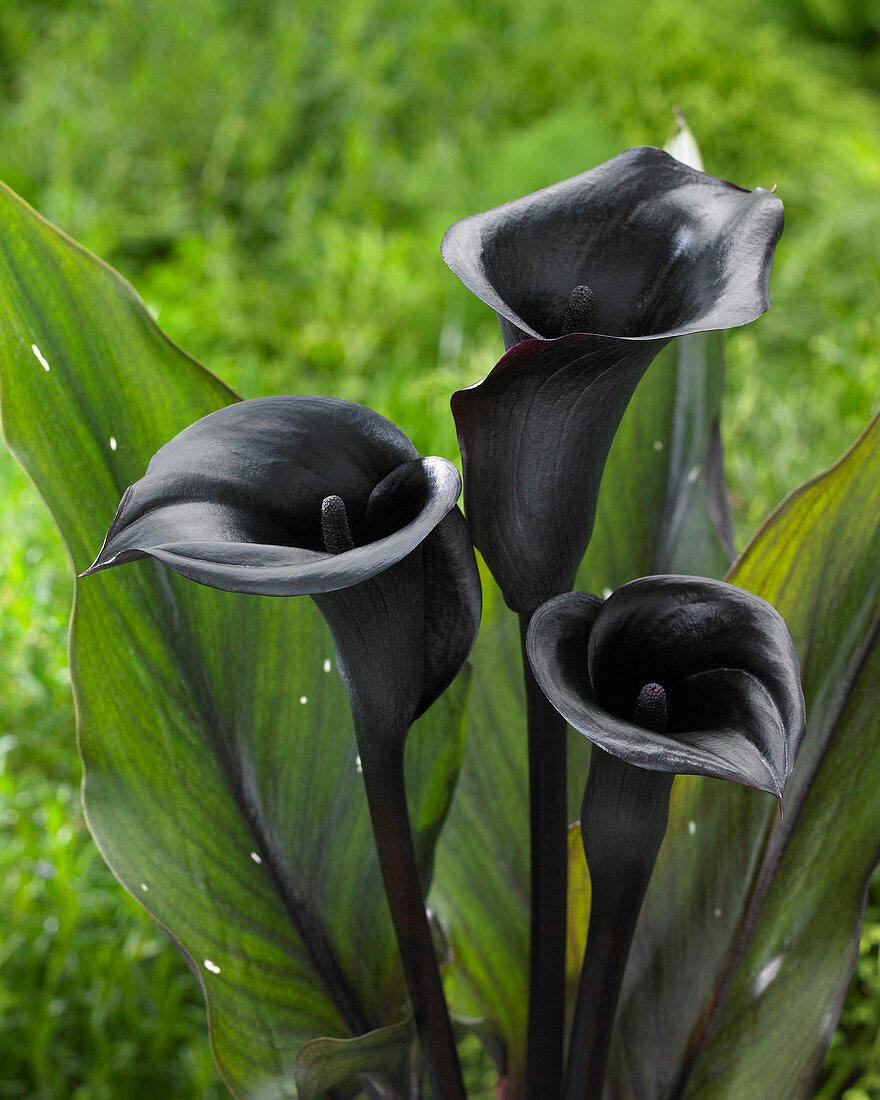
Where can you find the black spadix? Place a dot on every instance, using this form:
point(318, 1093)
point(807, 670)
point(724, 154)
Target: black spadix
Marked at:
point(590, 278)
point(284, 496)
point(719, 662)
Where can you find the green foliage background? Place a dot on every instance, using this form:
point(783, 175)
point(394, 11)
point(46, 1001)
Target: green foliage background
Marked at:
point(275, 178)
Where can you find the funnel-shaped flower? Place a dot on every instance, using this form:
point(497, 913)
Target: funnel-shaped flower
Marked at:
point(669, 675)
point(590, 278)
point(719, 661)
point(285, 496)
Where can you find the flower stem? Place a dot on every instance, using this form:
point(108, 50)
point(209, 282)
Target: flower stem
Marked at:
point(548, 810)
point(623, 821)
point(386, 796)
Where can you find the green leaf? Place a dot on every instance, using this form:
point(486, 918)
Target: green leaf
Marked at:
point(324, 1063)
point(656, 509)
point(578, 916)
point(818, 561)
point(750, 930)
point(221, 778)
point(663, 506)
point(683, 145)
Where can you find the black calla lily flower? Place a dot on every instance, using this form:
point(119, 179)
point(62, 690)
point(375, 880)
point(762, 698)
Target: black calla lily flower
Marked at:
point(284, 496)
point(590, 279)
point(670, 675)
point(723, 657)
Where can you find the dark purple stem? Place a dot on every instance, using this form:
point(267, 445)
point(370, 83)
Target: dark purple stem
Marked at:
point(548, 809)
point(623, 821)
point(386, 796)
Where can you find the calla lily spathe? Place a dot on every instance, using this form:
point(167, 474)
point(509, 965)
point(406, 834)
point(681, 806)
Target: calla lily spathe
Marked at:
point(237, 501)
point(662, 248)
point(723, 657)
point(590, 279)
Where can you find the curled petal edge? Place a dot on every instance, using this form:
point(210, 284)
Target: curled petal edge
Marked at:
point(557, 642)
point(465, 243)
point(273, 570)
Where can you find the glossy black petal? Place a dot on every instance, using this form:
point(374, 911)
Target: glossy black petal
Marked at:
point(534, 437)
point(664, 250)
point(234, 501)
point(453, 603)
point(600, 271)
point(237, 501)
point(724, 656)
point(402, 636)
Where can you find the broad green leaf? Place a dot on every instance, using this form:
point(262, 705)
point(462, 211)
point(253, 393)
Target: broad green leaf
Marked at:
point(750, 931)
point(662, 486)
point(818, 561)
point(221, 779)
point(663, 505)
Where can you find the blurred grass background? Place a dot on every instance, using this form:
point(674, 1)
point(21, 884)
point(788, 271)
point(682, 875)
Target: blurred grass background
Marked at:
point(275, 179)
